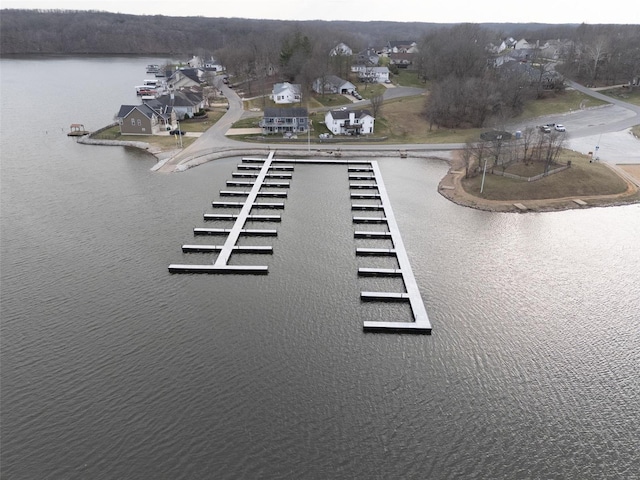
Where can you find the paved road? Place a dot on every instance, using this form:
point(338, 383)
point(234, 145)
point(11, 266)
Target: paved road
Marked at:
point(603, 127)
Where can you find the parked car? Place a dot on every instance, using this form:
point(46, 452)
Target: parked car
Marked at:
point(545, 129)
point(177, 132)
point(560, 128)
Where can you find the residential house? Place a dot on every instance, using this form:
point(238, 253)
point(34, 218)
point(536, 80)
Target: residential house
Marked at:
point(195, 62)
point(401, 60)
point(290, 120)
point(349, 122)
point(286, 93)
point(185, 77)
point(213, 65)
point(166, 113)
point(556, 49)
point(184, 103)
point(374, 75)
point(402, 46)
point(341, 49)
point(366, 58)
point(138, 120)
point(523, 44)
point(333, 84)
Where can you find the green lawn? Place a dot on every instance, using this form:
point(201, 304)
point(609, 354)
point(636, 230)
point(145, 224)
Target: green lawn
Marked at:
point(408, 78)
point(164, 142)
point(624, 94)
point(582, 179)
point(558, 102)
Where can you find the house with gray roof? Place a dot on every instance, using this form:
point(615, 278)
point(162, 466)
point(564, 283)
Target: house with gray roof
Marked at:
point(138, 120)
point(186, 77)
point(183, 102)
point(285, 120)
point(374, 74)
point(333, 84)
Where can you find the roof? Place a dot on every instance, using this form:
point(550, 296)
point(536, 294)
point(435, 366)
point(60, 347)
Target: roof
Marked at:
point(401, 43)
point(344, 114)
point(335, 80)
point(144, 109)
point(285, 112)
point(191, 73)
point(159, 107)
point(180, 99)
point(282, 87)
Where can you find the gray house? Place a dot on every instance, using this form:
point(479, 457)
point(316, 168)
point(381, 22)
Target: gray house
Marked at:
point(285, 120)
point(183, 103)
point(138, 120)
point(333, 84)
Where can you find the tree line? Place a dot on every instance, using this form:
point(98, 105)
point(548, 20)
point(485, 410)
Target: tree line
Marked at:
point(95, 32)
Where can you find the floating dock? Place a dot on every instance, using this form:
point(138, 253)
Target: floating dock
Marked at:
point(233, 234)
point(268, 173)
point(236, 248)
point(421, 323)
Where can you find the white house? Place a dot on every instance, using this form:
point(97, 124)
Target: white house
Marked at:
point(374, 74)
point(349, 122)
point(213, 65)
point(404, 46)
point(185, 77)
point(333, 84)
point(341, 49)
point(523, 44)
point(195, 62)
point(286, 93)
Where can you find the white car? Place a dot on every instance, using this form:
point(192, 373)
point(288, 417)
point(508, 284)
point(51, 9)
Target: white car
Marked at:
point(559, 127)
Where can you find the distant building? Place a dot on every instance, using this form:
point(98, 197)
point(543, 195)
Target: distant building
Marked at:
point(341, 49)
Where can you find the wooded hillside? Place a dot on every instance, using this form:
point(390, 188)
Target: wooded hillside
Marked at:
point(94, 32)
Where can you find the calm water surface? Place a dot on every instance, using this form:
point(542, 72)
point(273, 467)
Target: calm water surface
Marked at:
point(113, 368)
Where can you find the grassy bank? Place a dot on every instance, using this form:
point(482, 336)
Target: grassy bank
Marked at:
point(583, 179)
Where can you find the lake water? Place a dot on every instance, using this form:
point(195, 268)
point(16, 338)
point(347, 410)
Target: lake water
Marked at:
point(114, 368)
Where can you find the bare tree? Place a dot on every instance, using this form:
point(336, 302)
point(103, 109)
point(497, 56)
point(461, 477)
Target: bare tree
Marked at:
point(528, 135)
point(376, 105)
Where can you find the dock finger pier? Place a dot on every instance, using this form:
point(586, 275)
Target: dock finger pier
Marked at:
point(261, 184)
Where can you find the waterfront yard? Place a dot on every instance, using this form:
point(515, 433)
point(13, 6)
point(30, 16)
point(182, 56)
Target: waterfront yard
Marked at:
point(583, 179)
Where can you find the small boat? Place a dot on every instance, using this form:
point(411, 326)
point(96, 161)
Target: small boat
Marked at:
point(77, 130)
point(152, 68)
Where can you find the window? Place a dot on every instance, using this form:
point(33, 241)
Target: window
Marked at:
point(133, 122)
point(139, 122)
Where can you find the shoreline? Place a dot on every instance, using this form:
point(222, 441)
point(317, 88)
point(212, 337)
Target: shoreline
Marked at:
point(450, 186)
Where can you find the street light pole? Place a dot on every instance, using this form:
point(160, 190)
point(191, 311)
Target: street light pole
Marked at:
point(484, 171)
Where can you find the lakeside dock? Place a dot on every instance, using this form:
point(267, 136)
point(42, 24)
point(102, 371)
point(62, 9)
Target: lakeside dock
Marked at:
point(267, 173)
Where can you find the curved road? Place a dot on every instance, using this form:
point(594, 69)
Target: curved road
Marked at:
point(602, 127)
